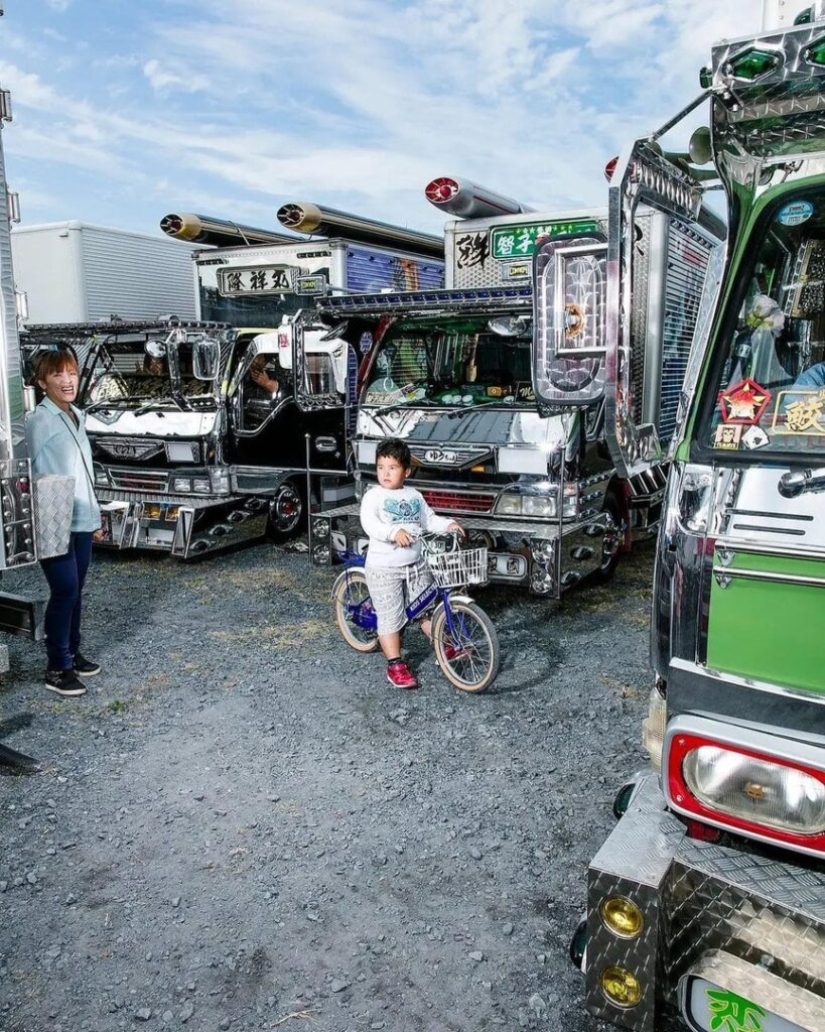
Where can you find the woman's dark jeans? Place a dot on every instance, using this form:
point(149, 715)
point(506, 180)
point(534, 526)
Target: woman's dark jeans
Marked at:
point(66, 575)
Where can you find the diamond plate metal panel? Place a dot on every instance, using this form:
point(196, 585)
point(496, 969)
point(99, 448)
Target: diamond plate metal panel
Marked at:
point(699, 898)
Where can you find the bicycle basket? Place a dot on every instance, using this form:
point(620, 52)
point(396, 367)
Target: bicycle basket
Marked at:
point(463, 566)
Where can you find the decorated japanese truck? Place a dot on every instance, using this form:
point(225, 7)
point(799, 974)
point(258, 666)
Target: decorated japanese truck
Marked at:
point(462, 376)
point(707, 901)
point(208, 434)
point(191, 453)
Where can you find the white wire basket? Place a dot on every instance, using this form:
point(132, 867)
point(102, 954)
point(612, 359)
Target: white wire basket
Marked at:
point(458, 568)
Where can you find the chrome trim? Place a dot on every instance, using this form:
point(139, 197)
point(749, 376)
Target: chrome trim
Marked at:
point(692, 688)
point(779, 578)
point(738, 545)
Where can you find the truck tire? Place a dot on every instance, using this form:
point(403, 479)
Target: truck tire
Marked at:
point(287, 513)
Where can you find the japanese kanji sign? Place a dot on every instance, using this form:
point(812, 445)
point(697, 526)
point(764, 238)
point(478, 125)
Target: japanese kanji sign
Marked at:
point(520, 241)
point(800, 412)
point(257, 279)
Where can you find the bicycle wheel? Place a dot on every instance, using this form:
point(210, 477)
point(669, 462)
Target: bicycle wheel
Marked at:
point(469, 653)
point(353, 607)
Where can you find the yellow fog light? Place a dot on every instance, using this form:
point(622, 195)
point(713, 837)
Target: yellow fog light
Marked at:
point(622, 917)
point(620, 986)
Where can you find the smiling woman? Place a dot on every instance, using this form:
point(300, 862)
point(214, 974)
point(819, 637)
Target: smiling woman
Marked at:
point(57, 443)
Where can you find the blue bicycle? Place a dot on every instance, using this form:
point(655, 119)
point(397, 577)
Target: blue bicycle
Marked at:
point(463, 636)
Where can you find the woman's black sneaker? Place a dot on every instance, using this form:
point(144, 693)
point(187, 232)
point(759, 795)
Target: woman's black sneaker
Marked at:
point(85, 667)
point(64, 682)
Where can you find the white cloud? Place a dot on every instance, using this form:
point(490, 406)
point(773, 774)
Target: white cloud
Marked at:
point(162, 78)
point(256, 102)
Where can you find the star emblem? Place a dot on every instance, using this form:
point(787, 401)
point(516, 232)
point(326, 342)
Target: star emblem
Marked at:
point(743, 403)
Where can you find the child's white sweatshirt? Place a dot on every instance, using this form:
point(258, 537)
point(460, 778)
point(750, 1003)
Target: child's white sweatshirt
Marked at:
point(385, 512)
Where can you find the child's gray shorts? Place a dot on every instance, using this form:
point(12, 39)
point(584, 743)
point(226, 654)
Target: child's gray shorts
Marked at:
point(386, 584)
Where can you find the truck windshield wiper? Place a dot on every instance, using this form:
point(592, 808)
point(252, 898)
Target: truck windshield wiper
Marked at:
point(386, 409)
point(112, 403)
point(160, 403)
point(474, 408)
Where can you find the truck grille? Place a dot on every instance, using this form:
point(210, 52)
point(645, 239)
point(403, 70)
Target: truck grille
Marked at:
point(458, 501)
point(138, 480)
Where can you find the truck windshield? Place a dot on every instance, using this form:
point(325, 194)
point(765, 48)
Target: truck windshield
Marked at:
point(454, 363)
point(124, 375)
point(766, 392)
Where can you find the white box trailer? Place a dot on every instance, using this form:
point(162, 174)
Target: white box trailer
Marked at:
point(74, 272)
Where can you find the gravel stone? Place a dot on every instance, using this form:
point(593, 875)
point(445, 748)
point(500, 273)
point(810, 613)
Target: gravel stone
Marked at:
point(234, 749)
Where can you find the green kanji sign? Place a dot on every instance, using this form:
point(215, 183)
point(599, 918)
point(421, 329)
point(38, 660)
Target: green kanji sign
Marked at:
point(509, 242)
point(732, 1013)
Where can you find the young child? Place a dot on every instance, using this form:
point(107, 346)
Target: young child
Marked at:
point(394, 515)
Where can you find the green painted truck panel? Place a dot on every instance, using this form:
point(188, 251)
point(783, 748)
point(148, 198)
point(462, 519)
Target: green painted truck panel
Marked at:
point(769, 630)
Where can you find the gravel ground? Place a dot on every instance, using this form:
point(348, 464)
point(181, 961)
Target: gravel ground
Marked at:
point(242, 826)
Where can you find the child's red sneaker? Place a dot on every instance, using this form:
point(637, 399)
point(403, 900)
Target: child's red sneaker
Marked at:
point(401, 676)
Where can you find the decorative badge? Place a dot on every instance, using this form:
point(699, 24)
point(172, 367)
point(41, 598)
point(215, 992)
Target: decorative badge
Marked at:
point(795, 213)
point(744, 402)
point(754, 437)
point(727, 436)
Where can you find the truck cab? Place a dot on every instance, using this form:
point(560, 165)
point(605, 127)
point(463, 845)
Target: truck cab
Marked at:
point(708, 899)
point(193, 453)
point(507, 423)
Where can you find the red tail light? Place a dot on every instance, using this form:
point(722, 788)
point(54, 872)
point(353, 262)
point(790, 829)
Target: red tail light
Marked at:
point(440, 190)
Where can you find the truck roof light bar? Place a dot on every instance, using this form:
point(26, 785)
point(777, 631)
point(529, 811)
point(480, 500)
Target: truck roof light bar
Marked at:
point(428, 300)
point(118, 327)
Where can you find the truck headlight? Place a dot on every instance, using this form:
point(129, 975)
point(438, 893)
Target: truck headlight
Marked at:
point(201, 486)
point(513, 503)
point(538, 505)
point(182, 485)
point(622, 916)
point(756, 789)
point(218, 482)
point(755, 784)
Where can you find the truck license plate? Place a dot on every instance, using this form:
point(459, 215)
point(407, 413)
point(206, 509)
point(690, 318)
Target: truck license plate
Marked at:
point(710, 1008)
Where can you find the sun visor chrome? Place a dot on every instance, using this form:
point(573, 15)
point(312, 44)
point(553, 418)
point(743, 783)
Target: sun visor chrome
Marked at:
point(522, 460)
point(365, 451)
point(569, 298)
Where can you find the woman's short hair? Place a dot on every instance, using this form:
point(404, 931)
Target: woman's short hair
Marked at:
point(47, 363)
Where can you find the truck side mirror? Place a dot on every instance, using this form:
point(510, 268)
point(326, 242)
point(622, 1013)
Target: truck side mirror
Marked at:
point(205, 358)
point(569, 293)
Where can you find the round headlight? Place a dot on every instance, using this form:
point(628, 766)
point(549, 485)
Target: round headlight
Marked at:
point(621, 987)
point(622, 917)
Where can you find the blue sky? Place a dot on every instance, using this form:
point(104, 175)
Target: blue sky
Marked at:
point(125, 110)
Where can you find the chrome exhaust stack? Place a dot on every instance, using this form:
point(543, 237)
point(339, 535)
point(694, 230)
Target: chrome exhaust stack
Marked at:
point(303, 217)
point(203, 229)
point(467, 200)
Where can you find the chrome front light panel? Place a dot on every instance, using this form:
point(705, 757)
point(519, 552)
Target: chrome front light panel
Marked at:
point(747, 780)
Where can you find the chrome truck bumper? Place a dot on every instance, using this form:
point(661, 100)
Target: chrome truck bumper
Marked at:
point(186, 528)
point(520, 552)
point(732, 937)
